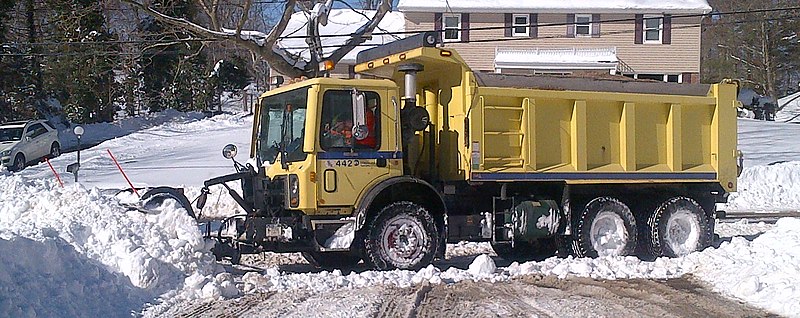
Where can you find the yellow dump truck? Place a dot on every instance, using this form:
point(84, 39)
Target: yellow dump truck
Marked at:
point(422, 151)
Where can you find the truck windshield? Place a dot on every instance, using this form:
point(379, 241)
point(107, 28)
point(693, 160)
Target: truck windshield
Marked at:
point(281, 127)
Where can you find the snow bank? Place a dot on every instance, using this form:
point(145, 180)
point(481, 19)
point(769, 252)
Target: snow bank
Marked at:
point(767, 188)
point(764, 272)
point(103, 258)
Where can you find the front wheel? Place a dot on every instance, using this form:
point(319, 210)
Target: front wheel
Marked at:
point(678, 227)
point(19, 163)
point(402, 236)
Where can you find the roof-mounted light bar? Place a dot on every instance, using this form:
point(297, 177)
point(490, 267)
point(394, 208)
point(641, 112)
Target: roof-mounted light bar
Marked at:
point(425, 39)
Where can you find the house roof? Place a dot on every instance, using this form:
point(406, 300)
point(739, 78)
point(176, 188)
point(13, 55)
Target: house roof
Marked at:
point(341, 22)
point(556, 6)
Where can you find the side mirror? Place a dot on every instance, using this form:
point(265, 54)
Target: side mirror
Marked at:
point(360, 129)
point(229, 151)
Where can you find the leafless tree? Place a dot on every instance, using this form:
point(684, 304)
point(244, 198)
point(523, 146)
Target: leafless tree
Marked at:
point(759, 48)
point(221, 27)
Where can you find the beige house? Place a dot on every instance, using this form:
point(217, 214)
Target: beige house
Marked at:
point(656, 39)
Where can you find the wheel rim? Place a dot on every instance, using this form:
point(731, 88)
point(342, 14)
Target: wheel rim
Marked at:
point(404, 241)
point(683, 232)
point(608, 234)
point(19, 163)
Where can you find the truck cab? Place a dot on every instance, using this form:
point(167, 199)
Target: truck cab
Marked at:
point(331, 142)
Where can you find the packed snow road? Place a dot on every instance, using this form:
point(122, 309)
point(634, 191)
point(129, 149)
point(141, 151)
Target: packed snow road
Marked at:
point(529, 296)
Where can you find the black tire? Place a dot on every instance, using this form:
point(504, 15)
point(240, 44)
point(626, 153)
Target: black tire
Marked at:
point(678, 226)
point(156, 196)
point(417, 225)
point(604, 214)
point(55, 150)
point(330, 260)
point(19, 163)
point(526, 251)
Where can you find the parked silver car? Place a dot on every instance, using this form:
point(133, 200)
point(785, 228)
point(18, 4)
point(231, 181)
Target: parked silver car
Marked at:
point(22, 142)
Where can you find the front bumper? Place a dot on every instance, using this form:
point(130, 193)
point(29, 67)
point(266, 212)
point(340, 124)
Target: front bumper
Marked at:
point(5, 162)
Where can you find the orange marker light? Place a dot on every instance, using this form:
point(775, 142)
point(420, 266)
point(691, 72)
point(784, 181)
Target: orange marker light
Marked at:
point(326, 65)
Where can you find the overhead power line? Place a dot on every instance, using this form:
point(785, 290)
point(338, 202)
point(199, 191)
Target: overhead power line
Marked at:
point(677, 16)
point(788, 9)
point(303, 48)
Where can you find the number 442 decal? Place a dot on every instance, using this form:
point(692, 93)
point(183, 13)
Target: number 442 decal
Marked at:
point(342, 163)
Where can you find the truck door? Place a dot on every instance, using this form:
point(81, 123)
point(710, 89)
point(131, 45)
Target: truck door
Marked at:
point(354, 152)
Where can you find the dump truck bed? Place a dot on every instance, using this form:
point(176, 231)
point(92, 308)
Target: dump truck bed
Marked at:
point(586, 130)
point(497, 127)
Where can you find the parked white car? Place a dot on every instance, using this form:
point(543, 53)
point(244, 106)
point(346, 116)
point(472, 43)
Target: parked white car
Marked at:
point(22, 142)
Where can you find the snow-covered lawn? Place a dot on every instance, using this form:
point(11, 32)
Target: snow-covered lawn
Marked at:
point(74, 251)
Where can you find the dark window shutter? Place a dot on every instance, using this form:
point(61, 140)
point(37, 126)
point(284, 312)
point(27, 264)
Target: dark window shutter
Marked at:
point(507, 30)
point(637, 36)
point(595, 25)
point(666, 36)
point(465, 27)
point(533, 19)
point(437, 25)
point(571, 25)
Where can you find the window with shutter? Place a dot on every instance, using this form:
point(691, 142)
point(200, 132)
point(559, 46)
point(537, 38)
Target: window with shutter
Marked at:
point(652, 29)
point(451, 25)
point(583, 25)
point(520, 25)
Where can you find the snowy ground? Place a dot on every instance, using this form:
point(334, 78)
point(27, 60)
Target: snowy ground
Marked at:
point(72, 251)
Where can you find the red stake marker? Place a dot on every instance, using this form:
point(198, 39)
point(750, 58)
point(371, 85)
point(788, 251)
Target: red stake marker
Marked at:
point(54, 172)
point(123, 173)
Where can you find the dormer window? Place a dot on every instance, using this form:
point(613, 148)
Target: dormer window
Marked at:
point(452, 26)
point(520, 25)
point(583, 24)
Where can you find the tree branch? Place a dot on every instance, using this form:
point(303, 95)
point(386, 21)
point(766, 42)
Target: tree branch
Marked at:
point(361, 35)
point(263, 46)
point(243, 18)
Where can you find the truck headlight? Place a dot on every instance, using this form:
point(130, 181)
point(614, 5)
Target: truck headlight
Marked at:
point(294, 191)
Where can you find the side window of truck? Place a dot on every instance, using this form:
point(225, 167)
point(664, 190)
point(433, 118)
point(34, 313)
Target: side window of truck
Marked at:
point(336, 125)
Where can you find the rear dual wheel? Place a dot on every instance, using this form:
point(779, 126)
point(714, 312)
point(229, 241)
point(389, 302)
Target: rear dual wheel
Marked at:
point(678, 227)
point(606, 228)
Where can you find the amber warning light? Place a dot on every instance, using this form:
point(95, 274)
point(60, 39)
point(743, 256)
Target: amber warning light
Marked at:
point(326, 65)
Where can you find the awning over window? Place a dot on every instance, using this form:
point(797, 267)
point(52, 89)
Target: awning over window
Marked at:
point(556, 59)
